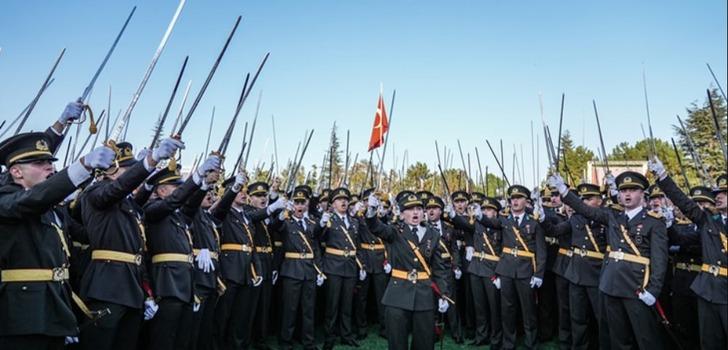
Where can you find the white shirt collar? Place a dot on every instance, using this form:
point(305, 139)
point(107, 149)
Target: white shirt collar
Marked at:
point(633, 212)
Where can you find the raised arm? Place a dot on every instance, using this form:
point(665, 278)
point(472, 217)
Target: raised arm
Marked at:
point(689, 208)
point(157, 210)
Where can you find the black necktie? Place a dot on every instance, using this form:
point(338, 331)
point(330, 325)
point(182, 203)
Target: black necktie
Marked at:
point(300, 224)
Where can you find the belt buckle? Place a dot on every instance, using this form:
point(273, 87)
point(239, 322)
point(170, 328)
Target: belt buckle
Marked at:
point(412, 276)
point(514, 251)
point(581, 252)
point(371, 246)
point(618, 256)
point(58, 274)
point(714, 270)
point(303, 255)
point(138, 259)
point(347, 253)
point(190, 258)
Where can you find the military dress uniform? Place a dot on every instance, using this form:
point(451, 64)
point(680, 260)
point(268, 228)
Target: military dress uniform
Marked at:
point(588, 244)
point(523, 257)
point(235, 311)
point(550, 306)
point(487, 249)
point(417, 267)
point(637, 261)
point(711, 284)
point(35, 297)
point(461, 289)
point(171, 250)
point(373, 256)
point(298, 273)
point(116, 276)
point(685, 253)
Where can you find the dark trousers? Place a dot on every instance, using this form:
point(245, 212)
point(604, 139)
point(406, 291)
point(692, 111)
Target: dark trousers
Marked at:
point(631, 323)
point(170, 327)
point(562, 295)
point(117, 330)
point(547, 307)
point(297, 293)
point(377, 282)
point(400, 323)
point(339, 296)
point(263, 312)
point(39, 342)
point(488, 325)
point(685, 320)
point(464, 297)
point(584, 310)
point(203, 321)
point(453, 317)
point(713, 325)
point(234, 316)
point(515, 292)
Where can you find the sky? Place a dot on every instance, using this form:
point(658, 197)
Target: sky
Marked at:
point(463, 70)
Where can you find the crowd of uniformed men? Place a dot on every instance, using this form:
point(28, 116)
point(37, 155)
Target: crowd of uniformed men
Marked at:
point(118, 251)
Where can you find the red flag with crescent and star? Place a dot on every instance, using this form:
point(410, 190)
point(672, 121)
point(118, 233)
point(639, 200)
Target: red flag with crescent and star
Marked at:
point(381, 125)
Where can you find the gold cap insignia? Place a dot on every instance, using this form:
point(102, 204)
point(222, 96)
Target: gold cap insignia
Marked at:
point(41, 145)
point(627, 179)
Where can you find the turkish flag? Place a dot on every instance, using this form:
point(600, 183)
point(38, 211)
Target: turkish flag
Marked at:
point(381, 125)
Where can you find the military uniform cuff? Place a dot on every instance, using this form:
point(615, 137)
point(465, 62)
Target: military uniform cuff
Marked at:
point(78, 173)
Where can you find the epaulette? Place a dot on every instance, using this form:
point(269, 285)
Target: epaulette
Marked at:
point(656, 215)
point(448, 224)
point(534, 216)
point(616, 207)
point(679, 221)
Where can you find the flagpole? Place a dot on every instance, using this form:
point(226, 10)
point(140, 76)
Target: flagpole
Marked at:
point(386, 139)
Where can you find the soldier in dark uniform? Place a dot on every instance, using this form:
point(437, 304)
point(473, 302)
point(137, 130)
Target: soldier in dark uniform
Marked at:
point(461, 288)
point(483, 259)
point(711, 284)
point(588, 246)
point(300, 273)
point(417, 269)
point(632, 276)
point(374, 258)
point(35, 297)
point(521, 267)
point(235, 311)
point(342, 265)
point(685, 251)
point(171, 250)
point(116, 277)
point(450, 256)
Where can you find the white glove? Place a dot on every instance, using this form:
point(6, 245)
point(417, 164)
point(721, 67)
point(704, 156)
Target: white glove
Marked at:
point(469, 251)
point(72, 112)
point(101, 157)
point(647, 298)
point(166, 149)
point(212, 163)
point(320, 280)
point(150, 308)
point(442, 305)
point(536, 195)
point(204, 261)
point(669, 215)
point(387, 268)
point(496, 283)
point(477, 211)
point(280, 203)
point(196, 307)
point(674, 249)
point(70, 340)
point(657, 168)
point(240, 180)
point(611, 183)
point(325, 217)
point(143, 153)
point(358, 207)
point(450, 211)
point(274, 277)
point(458, 273)
point(257, 281)
point(555, 180)
point(372, 206)
point(536, 282)
point(541, 214)
point(362, 275)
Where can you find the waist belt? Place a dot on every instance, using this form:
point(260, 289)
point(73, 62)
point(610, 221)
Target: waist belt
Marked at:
point(629, 257)
point(566, 252)
point(518, 252)
point(268, 250)
point(412, 276)
point(213, 254)
point(714, 270)
point(294, 255)
point(339, 252)
point(551, 240)
point(236, 247)
point(485, 256)
point(57, 274)
point(589, 253)
point(172, 257)
point(372, 246)
point(688, 267)
point(113, 255)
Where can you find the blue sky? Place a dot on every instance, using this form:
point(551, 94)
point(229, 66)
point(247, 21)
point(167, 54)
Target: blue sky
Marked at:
point(467, 70)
